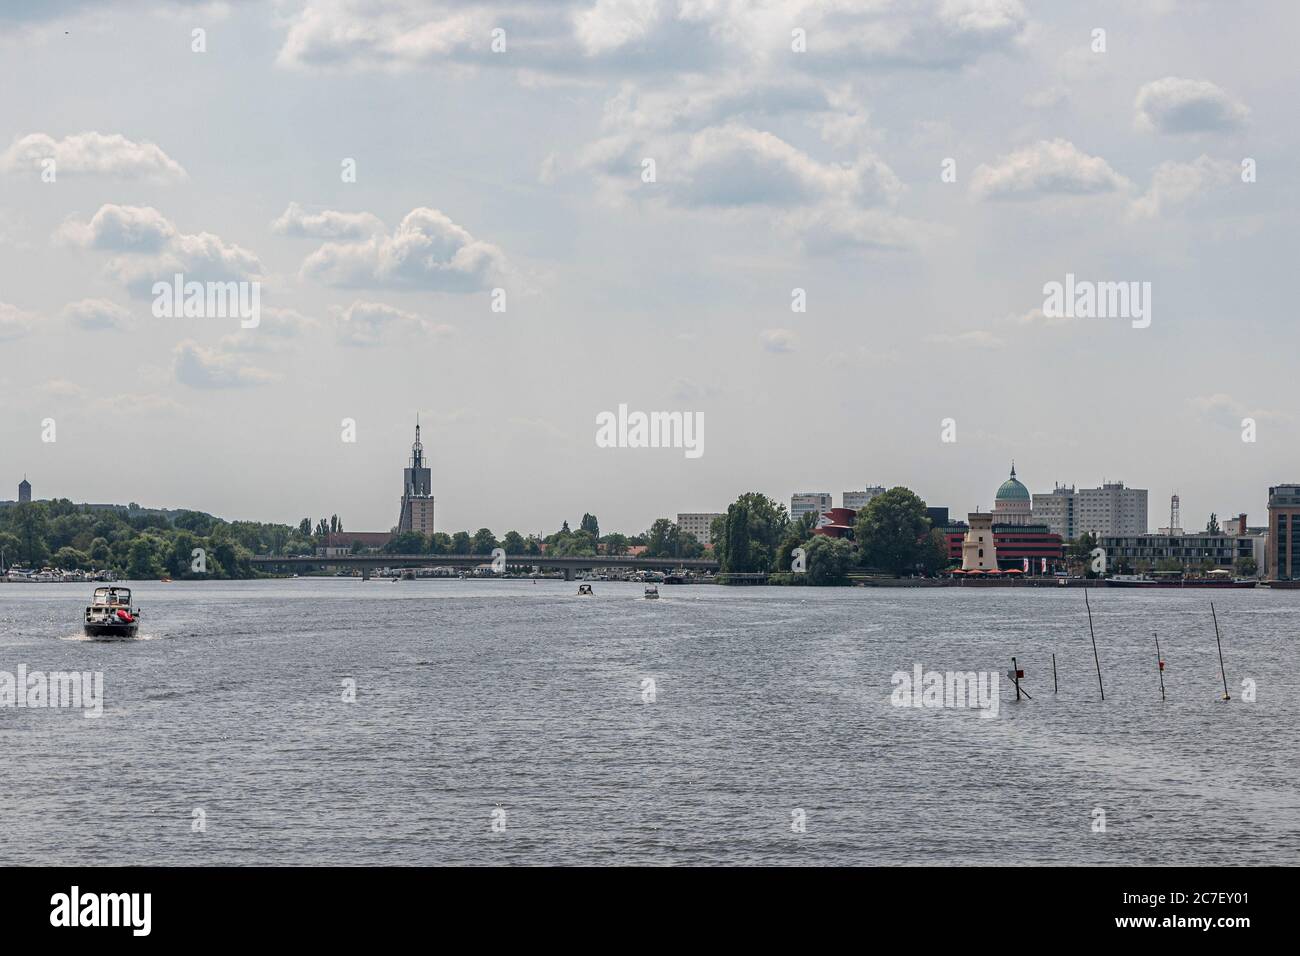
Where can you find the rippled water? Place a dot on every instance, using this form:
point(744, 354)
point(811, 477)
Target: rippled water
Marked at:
point(474, 696)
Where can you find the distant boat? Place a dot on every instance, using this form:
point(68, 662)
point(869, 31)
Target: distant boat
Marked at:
point(651, 593)
point(1174, 579)
point(584, 590)
point(110, 615)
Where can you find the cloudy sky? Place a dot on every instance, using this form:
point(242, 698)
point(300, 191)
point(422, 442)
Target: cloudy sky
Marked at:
point(919, 169)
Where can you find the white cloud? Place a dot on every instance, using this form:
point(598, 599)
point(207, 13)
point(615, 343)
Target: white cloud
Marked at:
point(1223, 409)
point(364, 323)
point(1176, 105)
point(778, 340)
point(976, 338)
point(1048, 167)
point(426, 251)
point(92, 153)
point(14, 322)
point(575, 38)
point(153, 249)
point(326, 224)
point(1175, 184)
point(96, 314)
point(200, 367)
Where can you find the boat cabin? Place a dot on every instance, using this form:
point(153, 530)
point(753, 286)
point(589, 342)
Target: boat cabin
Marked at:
point(112, 597)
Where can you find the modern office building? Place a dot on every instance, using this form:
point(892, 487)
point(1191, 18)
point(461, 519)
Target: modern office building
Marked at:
point(857, 500)
point(24, 490)
point(417, 494)
point(805, 502)
point(938, 517)
point(1283, 548)
point(1012, 504)
point(697, 523)
point(1143, 552)
point(1056, 510)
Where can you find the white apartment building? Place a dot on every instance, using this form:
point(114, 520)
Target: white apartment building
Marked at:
point(697, 523)
point(1110, 511)
point(1056, 510)
point(857, 500)
point(803, 502)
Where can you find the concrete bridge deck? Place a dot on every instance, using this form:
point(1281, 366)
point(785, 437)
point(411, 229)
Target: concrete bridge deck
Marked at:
point(567, 563)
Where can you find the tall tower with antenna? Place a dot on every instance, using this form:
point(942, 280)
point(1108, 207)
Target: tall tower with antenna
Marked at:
point(417, 491)
point(1175, 517)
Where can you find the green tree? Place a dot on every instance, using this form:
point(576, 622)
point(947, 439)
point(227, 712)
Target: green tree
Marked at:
point(751, 533)
point(890, 531)
point(141, 564)
point(1212, 526)
point(408, 542)
point(29, 523)
point(934, 552)
point(615, 544)
point(797, 532)
point(1247, 567)
point(590, 525)
point(440, 543)
point(829, 560)
point(513, 542)
point(70, 559)
point(461, 543)
point(484, 541)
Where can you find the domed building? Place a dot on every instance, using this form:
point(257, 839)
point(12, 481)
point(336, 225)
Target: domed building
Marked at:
point(1013, 504)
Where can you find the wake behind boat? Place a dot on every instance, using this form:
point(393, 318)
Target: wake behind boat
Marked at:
point(110, 615)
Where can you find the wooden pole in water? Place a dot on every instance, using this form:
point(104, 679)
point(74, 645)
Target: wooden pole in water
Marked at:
point(1160, 665)
point(1094, 642)
point(1222, 673)
point(1055, 687)
point(1015, 677)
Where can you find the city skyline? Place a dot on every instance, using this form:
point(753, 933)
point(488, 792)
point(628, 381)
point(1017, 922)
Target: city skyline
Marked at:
point(419, 484)
point(915, 178)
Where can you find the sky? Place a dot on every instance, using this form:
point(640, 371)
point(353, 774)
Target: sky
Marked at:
point(447, 210)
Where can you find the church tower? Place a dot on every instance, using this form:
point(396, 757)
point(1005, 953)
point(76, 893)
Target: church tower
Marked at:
point(417, 491)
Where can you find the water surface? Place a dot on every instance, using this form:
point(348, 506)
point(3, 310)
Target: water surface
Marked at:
point(482, 696)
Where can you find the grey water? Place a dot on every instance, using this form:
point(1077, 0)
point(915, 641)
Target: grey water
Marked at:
point(513, 722)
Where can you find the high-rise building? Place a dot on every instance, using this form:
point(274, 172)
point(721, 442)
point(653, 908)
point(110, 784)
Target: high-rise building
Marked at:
point(1283, 548)
point(1109, 511)
point(805, 502)
point(417, 491)
point(697, 523)
point(1013, 504)
point(24, 490)
point(1056, 510)
point(857, 500)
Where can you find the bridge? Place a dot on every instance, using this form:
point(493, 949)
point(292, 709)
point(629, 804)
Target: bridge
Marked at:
point(566, 563)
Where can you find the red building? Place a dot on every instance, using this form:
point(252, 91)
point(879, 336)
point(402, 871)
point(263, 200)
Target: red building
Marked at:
point(1015, 542)
point(836, 523)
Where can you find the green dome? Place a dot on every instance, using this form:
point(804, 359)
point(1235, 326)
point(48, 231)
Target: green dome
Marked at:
point(1012, 490)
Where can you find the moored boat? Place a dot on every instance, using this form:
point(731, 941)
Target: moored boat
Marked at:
point(1175, 580)
point(110, 615)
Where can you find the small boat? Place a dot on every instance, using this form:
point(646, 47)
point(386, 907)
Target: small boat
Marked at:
point(584, 590)
point(651, 593)
point(110, 615)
